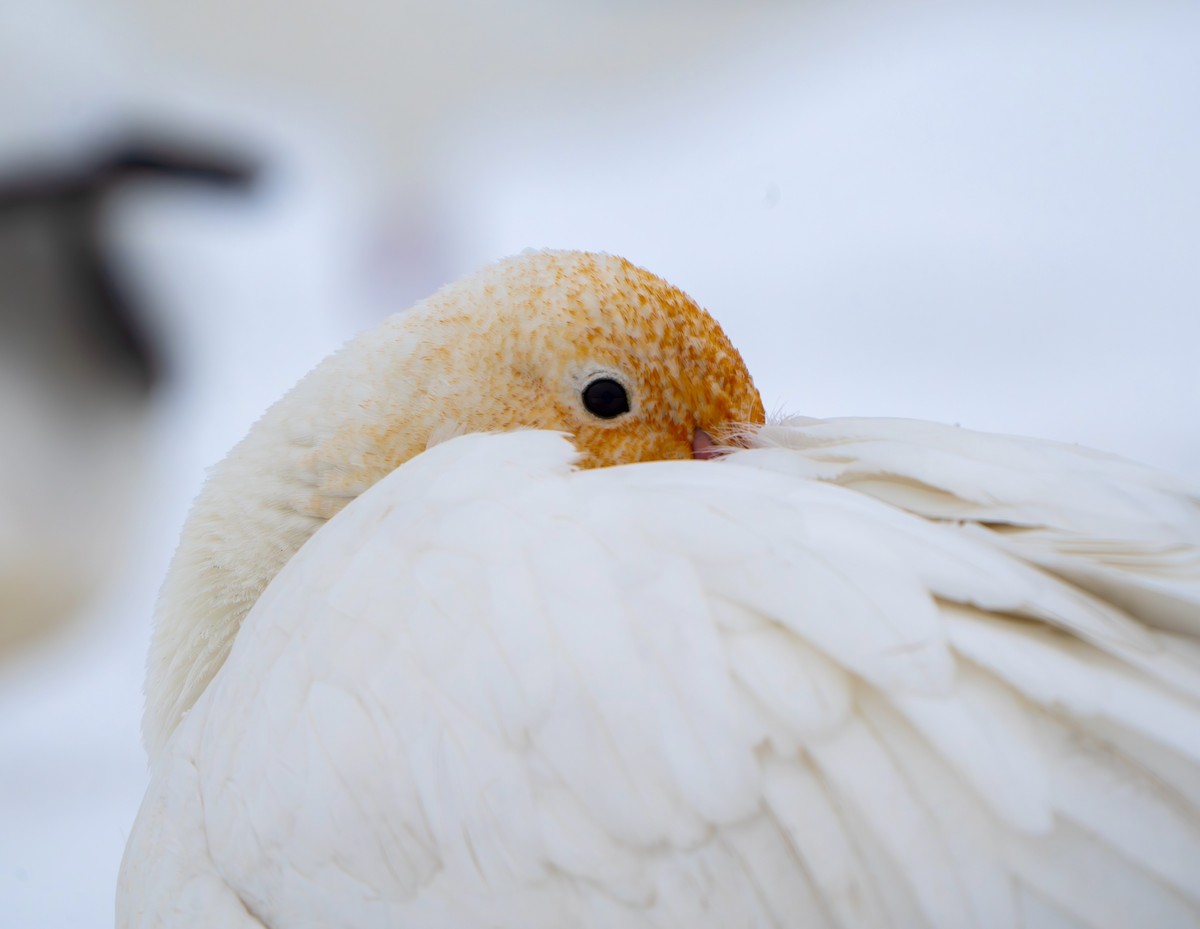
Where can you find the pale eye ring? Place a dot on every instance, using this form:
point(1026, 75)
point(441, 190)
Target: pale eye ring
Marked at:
point(605, 398)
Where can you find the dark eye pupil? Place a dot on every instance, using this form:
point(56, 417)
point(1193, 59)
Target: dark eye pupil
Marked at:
point(605, 398)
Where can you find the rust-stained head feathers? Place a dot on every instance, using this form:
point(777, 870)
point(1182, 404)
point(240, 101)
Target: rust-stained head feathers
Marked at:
point(518, 344)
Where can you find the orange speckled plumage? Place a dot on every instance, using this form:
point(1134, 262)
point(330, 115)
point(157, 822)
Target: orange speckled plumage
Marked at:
point(680, 369)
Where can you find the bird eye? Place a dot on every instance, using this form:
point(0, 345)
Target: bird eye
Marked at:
point(605, 398)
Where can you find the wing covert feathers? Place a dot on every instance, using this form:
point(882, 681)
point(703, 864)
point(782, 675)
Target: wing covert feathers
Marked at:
point(870, 674)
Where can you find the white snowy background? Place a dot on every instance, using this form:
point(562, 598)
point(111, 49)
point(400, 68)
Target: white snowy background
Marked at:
point(986, 214)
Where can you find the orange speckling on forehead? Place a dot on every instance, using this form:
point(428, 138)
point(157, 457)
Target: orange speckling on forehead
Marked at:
point(685, 371)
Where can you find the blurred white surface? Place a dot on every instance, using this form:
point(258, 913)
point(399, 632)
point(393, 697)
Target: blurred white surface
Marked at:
point(986, 215)
point(983, 215)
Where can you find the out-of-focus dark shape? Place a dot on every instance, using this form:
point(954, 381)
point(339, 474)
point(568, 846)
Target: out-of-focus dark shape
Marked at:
point(54, 259)
point(78, 363)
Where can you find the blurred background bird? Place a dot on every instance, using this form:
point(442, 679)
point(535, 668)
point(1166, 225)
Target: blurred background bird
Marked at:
point(980, 214)
point(79, 360)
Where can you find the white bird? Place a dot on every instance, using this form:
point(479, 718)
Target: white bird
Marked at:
point(859, 673)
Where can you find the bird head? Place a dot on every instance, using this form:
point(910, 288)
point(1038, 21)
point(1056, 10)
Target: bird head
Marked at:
point(585, 344)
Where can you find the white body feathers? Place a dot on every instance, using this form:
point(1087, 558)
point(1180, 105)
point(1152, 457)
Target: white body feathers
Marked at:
point(963, 689)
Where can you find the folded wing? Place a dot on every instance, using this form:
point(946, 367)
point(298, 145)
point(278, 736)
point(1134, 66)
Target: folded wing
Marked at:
point(860, 677)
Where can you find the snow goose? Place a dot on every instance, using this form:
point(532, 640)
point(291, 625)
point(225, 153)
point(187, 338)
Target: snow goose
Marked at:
point(855, 673)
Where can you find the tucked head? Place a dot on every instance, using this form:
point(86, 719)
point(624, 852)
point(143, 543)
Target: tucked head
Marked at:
point(584, 344)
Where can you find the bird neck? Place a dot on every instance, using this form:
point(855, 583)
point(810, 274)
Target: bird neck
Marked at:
point(327, 441)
